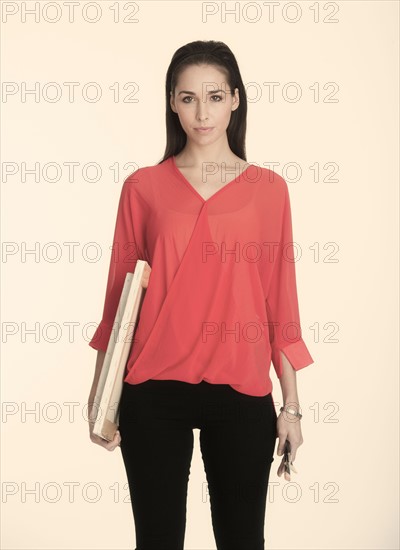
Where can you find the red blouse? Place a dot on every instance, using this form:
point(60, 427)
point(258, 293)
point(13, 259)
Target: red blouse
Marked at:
point(221, 302)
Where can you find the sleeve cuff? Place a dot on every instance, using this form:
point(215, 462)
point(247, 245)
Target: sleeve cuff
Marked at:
point(296, 353)
point(101, 337)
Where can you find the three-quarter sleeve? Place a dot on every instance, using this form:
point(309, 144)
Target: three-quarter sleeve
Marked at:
point(124, 256)
point(282, 301)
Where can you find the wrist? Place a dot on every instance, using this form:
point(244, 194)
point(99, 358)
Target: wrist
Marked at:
point(292, 401)
point(291, 409)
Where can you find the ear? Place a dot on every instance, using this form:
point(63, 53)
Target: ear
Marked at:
point(172, 102)
point(235, 100)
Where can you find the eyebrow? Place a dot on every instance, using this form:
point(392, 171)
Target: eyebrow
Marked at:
point(193, 93)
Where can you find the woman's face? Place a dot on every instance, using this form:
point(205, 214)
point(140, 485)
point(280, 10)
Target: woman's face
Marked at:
point(202, 98)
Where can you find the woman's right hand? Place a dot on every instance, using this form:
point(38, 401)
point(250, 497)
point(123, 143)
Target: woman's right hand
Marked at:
point(109, 445)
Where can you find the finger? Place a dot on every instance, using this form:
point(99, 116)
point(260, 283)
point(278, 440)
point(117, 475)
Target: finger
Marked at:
point(115, 442)
point(117, 438)
point(109, 445)
point(281, 444)
point(97, 439)
point(101, 441)
point(112, 445)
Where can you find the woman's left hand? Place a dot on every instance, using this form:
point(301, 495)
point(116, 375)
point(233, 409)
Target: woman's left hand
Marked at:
point(288, 428)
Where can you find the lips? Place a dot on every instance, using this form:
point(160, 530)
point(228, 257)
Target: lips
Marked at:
point(204, 129)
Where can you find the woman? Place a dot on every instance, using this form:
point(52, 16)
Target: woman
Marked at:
point(220, 304)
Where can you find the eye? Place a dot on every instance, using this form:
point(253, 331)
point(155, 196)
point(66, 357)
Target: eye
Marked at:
point(215, 98)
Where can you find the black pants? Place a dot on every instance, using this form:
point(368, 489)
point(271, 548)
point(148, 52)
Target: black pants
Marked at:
point(237, 441)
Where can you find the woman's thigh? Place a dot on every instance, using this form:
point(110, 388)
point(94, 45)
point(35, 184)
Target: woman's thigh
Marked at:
point(237, 443)
point(157, 447)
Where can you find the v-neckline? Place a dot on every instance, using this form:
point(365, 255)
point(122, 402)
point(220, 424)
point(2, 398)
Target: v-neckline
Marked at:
point(194, 190)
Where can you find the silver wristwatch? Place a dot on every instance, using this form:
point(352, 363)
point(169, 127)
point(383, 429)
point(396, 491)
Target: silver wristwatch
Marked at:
point(291, 411)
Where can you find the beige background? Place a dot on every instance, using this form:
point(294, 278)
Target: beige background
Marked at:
point(345, 494)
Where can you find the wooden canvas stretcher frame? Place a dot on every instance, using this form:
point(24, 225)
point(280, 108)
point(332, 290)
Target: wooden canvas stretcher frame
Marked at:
point(109, 388)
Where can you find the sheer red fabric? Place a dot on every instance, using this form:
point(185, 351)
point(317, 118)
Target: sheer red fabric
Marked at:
point(222, 298)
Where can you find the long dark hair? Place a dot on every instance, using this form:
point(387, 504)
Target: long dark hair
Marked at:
point(219, 55)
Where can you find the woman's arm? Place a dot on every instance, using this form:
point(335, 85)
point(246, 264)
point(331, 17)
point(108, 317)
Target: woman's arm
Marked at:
point(289, 352)
point(123, 259)
point(288, 425)
point(288, 383)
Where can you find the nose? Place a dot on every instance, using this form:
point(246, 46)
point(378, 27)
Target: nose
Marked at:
point(202, 110)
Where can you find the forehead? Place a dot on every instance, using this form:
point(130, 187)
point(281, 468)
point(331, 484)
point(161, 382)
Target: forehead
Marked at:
point(194, 77)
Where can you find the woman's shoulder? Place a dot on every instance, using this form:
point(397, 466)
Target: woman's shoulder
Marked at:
point(270, 181)
point(145, 174)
